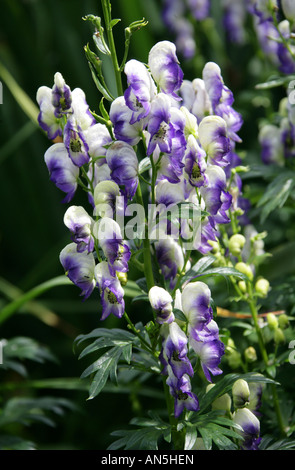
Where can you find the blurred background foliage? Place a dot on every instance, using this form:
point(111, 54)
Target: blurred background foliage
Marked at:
point(38, 38)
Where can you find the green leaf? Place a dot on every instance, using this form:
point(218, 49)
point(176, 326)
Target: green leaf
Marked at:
point(222, 271)
point(198, 268)
point(277, 193)
point(190, 437)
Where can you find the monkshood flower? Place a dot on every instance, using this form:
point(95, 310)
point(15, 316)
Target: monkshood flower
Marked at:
point(81, 110)
point(271, 145)
point(75, 142)
point(98, 139)
point(196, 306)
point(79, 267)
point(164, 66)
point(256, 390)
point(195, 163)
point(161, 302)
point(234, 20)
point(217, 199)
point(222, 100)
point(210, 353)
point(174, 351)
point(123, 163)
point(184, 40)
point(180, 390)
point(46, 117)
point(111, 291)
point(141, 89)
point(121, 117)
point(160, 127)
point(195, 98)
point(80, 224)
point(62, 170)
point(108, 233)
point(106, 194)
point(214, 139)
point(200, 9)
point(251, 428)
point(61, 96)
point(170, 258)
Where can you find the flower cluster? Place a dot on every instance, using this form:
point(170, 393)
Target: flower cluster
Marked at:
point(243, 408)
point(188, 133)
point(175, 16)
point(274, 31)
point(200, 340)
point(277, 140)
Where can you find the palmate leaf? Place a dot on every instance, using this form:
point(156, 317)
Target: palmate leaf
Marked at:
point(28, 410)
point(145, 437)
point(277, 193)
point(15, 443)
point(119, 345)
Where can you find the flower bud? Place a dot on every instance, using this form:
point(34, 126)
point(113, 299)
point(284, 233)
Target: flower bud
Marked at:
point(241, 393)
point(288, 7)
point(272, 321)
point(236, 244)
point(283, 321)
point(161, 302)
point(233, 356)
point(250, 354)
point(262, 287)
point(242, 286)
point(122, 278)
point(221, 403)
point(279, 336)
point(245, 269)
point(251, 428)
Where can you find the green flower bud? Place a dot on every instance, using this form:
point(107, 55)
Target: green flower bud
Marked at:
point(272, 321)
point(241, 393)
point(279, 336)
point(245, 269)
point(122, 278)
point(242, 286)
point(283, 321)
point(262, 287)
point(215, 246)
point(236, 244)
point(233, 356)
point(221, 403)
point(250, 354)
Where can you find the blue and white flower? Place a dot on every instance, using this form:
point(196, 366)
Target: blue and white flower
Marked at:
point(123, 163)
point(62, 170)
point(79, 267)
point(164, 67)
point(80, 224)
point(161, 302)
point(111, 291)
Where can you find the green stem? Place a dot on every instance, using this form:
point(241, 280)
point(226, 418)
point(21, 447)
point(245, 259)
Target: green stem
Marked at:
point(148, 269)
point(16, 304)
point(144, 343)
point(265, 358)
point(106, 6)
point(177, 436)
